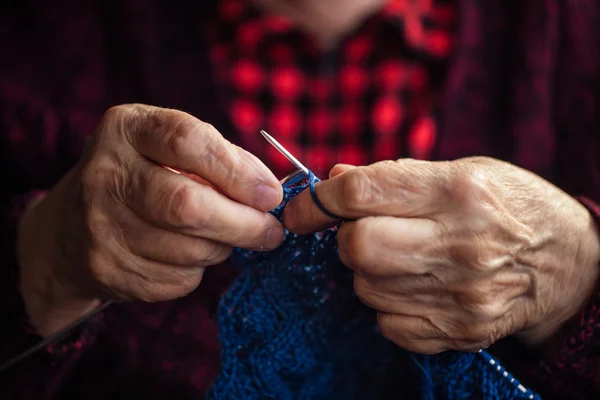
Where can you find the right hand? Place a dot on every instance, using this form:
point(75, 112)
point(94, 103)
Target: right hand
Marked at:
point(121, 226)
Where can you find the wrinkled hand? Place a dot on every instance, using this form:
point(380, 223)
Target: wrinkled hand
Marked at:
point(121, 226)
point(456, 255)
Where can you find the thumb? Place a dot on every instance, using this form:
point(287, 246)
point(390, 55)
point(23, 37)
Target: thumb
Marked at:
point(183, 142)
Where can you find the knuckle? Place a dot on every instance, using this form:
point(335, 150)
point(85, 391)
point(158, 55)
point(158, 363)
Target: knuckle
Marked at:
point(378, 299)
point(214, 254)
point(387, 165)
point(471, 186)
point(480, 262)
point(206, 129)
point(98, 227)
point(360, 286)
point(488, 311)
point(481, 160)
point(172, 283)
point(222, 153)
point(100, 173)
point(482, 293)
point(453, 329)
point(185, 282)
point(354, 249)
point(482, 343)
point(356, 190)
point(179, 141)
point(123, 122)
point(182, 132)
point(99, 271)
point(466, 334)
point(470, 253)
point(211, 137)
point(101, 176)
point(386, 326)
point(480, 303)
point(180, 208)
point(114, 113)
point(480, 336)
point(121, 113)
point(149, 292)
point(363, 289)
point(189, 284)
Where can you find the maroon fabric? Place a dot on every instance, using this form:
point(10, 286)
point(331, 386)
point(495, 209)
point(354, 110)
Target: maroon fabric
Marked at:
point(521, 84)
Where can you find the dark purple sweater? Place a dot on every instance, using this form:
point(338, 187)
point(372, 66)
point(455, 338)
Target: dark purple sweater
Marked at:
point(523, 85)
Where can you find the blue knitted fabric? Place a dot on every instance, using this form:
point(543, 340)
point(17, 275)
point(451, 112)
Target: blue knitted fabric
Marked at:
point(291, 327)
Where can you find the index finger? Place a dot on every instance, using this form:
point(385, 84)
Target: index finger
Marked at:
point(181, 141)
point(390, 188)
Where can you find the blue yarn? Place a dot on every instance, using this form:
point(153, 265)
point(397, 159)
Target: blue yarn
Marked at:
point(291, 327)
point(313, 194)
point(427, 386)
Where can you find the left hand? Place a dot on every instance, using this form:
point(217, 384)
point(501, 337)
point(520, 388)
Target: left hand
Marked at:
point(457, 255)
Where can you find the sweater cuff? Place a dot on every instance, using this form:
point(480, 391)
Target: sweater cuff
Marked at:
point(18, 334)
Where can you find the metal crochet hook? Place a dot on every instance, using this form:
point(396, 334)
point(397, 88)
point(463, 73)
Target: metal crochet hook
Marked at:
point(286, 153)
point(295, 176)
point(300, 168)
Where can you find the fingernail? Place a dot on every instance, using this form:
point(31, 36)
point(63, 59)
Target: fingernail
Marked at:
point(266, 198)
point(273, 238)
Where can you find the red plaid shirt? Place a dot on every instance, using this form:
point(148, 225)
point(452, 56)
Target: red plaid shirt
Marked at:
point(517, 81)
point(372, 98)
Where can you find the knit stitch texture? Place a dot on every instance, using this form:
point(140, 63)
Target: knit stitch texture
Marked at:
point(291, 327)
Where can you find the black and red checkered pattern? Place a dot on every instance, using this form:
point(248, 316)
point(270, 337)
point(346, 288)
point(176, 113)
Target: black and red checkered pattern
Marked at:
point(369, 100)
point(520, 83)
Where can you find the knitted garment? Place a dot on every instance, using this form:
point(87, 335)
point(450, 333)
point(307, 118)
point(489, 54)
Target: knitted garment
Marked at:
point(291, 327)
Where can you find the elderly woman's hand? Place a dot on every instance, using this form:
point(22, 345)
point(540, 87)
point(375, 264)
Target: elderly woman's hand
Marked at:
point(456, 255)
point(122, 226)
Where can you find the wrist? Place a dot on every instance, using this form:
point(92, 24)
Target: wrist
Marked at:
point(51, 302)
point(587, 270)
